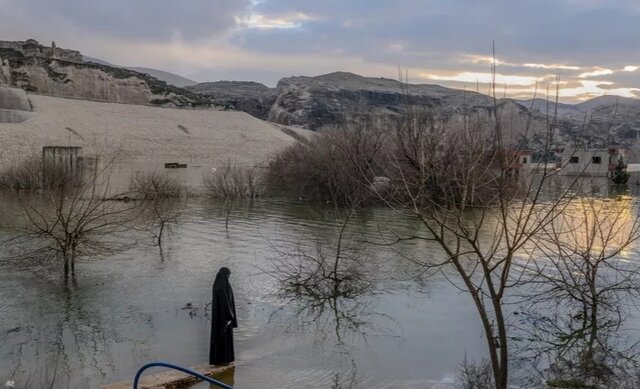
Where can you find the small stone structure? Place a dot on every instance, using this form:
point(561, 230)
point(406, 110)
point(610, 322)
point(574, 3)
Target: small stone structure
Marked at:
point(62, 163)
point(31, 48)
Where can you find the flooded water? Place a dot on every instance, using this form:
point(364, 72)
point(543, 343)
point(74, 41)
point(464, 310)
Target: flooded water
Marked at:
point(127, 309)
point(142, 305)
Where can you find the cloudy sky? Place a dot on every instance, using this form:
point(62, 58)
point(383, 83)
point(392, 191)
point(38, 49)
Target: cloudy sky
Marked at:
point(593, 46)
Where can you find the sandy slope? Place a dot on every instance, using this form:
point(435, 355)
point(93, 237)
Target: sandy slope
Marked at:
point(142, 133)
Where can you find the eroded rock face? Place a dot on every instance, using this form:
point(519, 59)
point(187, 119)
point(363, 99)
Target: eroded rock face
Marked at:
point(63, 73)
point(14, 105)
point(314, 102)
point(81, 82)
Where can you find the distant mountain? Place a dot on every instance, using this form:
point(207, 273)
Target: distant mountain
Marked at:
point(549, 107)
point(169, 78)
point(603, 101)
point(95, 60)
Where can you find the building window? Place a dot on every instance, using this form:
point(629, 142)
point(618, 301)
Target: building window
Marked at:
point(597, 160)
point(524, 159)
point(574, 160)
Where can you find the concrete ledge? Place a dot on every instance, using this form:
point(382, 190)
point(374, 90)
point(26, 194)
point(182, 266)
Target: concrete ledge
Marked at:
point(170, 379)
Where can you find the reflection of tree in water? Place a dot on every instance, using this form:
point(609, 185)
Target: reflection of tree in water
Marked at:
point(340, 325)
point(65, 340)
point(330, 284)
point(581, 295)
point(573, 352)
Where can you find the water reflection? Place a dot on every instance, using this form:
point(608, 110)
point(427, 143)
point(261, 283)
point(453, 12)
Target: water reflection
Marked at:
point(126, 311)
point(64, 334)
point(402, 330)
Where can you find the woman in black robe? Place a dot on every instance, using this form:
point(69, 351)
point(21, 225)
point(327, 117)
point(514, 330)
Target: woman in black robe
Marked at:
point(223, 320)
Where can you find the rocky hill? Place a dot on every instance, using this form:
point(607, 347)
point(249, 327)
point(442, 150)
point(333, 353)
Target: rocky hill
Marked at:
point(306, 102)
point(316, 102)
point(60, 72)
point(247, 96)
point(602, 120)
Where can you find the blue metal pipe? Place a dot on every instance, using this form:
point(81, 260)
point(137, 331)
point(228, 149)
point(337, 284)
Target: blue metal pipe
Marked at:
point(180, 368)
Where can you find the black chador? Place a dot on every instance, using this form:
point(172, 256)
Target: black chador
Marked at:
point(223, 320)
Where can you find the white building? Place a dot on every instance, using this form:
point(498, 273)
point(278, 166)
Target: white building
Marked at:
point(590, 162)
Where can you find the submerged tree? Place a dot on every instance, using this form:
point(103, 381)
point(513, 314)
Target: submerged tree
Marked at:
point(328, 166)
point(583, 285)
point(68, 220)
point(483, 210)
point(328, 279)
point(160, 191)
point(461, 186)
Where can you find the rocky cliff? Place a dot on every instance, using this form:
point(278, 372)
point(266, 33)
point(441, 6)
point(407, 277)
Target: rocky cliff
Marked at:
point(63, 73)
point(313, 102)
point(57, 78)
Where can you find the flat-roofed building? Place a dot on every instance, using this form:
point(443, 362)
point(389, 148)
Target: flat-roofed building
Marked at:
point(590, 162)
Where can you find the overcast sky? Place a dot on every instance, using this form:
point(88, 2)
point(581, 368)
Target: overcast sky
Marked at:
point(592, 45)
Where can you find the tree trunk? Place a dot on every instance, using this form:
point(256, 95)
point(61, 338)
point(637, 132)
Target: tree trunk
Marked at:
point(66, 270)
point(160, 233)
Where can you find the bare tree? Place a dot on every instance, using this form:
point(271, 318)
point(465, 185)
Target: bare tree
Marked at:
point(24, 175)
point(68, 220)
point(160, 191)
point(155, 185)
point(475, 375)
point(322, 270)
point(462, 179)
point(328, 167)
point(232, 182)
point(583, 289)
point(165, 217)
